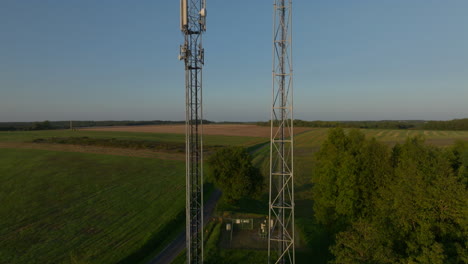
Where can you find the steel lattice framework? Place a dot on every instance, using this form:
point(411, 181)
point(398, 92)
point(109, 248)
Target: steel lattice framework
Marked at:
point(281, 200)
point(193, 14)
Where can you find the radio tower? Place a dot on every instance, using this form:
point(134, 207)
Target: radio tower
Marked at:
point(193, 24)
point(281, 200)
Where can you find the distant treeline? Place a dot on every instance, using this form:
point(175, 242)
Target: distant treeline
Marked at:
point(46, 125)
point(456, 124)
point(384, 124)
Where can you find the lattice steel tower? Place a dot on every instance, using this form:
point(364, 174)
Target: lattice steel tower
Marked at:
point(193, 25)
point(281, 200)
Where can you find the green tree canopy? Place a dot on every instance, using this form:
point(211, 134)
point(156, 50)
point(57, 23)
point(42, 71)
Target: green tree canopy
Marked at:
point(349, 169)
point(407, 204)
point(234, 173)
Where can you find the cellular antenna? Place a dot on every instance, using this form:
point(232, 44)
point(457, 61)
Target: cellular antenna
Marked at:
point(281, 198)
point(193, 25)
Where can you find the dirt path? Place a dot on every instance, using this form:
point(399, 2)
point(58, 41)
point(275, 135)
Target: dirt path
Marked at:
point(95, 149)
point(168, 254)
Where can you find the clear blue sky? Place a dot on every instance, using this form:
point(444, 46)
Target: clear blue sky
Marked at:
point(353, 60)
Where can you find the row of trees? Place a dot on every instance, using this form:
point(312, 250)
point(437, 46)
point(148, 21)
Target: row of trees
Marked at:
point(14, 126)
point(406, 204)
point(384, 124)
point(46, 125)
point(456, 124)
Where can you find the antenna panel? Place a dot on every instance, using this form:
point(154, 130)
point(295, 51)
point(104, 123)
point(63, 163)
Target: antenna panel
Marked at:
point(183, 15)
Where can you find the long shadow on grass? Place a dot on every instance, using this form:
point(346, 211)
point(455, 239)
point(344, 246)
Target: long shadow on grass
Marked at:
point(158, 240)
point(257, 147)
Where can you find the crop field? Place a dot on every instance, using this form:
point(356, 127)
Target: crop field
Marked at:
point(58, 207)
point(25, 140)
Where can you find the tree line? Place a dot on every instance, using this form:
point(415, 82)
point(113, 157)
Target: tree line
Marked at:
point(383, 124)
point(456, 124)
point(401, 204)
point(47, 125)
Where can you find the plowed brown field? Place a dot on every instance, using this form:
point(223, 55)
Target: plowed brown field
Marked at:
point(227, 130)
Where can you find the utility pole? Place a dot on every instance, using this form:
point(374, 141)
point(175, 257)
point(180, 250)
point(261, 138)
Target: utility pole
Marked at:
point(281, 198)
point(193, 25)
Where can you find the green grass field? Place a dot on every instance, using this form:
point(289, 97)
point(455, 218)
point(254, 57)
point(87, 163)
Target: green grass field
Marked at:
point(59, 207)
point(70, 207)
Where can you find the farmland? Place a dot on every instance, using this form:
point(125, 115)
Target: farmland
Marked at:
point(66, 203)
point(58, 207)
point(28, 136)
point(211, 129)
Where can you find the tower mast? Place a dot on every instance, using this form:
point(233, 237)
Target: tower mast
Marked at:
point(193, 25)
point(281, 196)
